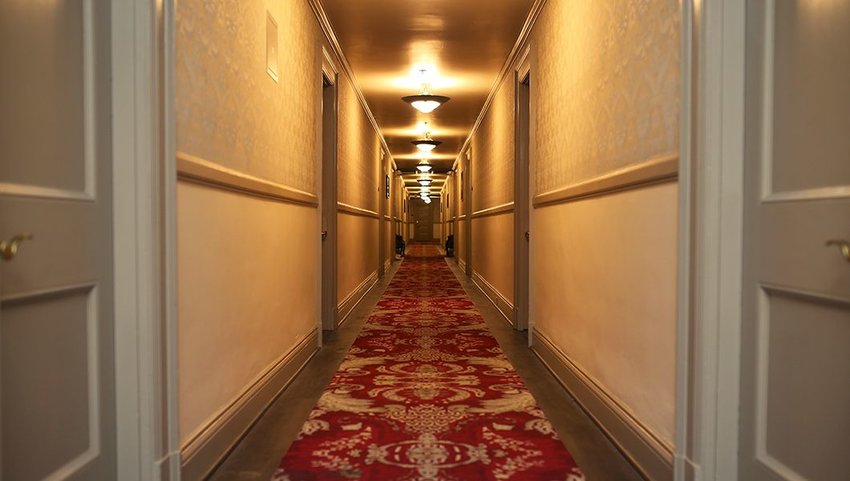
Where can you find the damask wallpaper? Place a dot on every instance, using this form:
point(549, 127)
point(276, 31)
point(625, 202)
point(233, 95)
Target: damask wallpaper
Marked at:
point(358, 154)
point(493, 152)
point(605, 87)
point(229, 110)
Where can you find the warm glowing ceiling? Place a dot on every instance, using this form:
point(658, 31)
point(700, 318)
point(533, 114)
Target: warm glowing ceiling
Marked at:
point(465, 42)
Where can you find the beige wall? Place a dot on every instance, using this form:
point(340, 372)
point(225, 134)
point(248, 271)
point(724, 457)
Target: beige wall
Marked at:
point(228, 109)
point(615, 102)
point(604, 293)
point(357, 252)
point(492, 252)
point(247, 291)
point(360, 184)
point(610, 303)
point(603, 269)
point(492, 186)
point(248, 265)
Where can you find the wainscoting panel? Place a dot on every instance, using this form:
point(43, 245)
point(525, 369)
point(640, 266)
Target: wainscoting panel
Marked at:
point(646, 451)
point(201, 454)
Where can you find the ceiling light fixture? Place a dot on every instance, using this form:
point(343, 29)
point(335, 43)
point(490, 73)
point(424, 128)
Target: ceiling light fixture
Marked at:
point(424, 182)
point(424, 168)
point(425, 102)
point(426, 144)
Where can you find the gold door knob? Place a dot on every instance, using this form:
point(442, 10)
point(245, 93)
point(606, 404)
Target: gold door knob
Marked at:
point(843, 246)
point(8, 248)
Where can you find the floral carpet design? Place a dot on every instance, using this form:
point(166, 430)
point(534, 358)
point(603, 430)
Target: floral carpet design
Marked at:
point(426, 394)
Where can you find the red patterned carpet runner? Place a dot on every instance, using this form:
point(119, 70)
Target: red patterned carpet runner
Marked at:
point(426, 394)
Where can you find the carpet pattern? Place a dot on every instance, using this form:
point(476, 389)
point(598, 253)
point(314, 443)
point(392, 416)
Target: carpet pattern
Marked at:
point(426, 394)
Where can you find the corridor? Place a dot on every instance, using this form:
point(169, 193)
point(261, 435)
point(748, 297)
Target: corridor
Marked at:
point(424, 240)
point(441, 328)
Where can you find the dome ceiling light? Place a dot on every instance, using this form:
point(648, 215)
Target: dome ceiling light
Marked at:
point(424, 168)
point(425, 102)
point(424, 182)
point(426, 143)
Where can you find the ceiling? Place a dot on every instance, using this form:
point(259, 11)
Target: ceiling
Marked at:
point(464, 44)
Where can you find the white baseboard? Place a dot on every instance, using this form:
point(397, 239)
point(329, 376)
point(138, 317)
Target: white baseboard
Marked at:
point(212, 443)
point(505, 308)
point(651, 456)
point(348, 304)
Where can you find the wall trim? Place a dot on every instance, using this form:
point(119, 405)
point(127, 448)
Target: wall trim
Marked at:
point(461, 263)
point(215, 440)
point(461, 217)
point(354, 210)
point(345, 308)
point(650, 455)
point(504, 306)
point(196, 169)
point(495, 210)
point(659, 169)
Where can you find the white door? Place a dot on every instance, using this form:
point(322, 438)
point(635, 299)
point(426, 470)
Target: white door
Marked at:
point(56, 322)
point(795, 411)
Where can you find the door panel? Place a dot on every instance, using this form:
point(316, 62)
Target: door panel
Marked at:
point(54, 403)
point(43, 53)
point(57, 389)
point(795, 421)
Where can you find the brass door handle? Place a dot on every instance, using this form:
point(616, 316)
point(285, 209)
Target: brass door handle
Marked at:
point(843, 246)
point(8, 248)
point(324, 234)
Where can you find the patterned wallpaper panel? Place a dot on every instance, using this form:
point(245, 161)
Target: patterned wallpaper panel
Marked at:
point(493, 152)
point(229, 110)
point(605, 86)
point(358, 153)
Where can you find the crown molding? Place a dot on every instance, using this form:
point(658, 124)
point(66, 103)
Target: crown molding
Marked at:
point(518, 52)
point(333, 42)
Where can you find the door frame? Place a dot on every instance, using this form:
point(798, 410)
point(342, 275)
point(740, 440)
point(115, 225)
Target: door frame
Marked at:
point(522, 196)
point(467, 211)
point(144, 224)
point(710, 240)
point(327, 168)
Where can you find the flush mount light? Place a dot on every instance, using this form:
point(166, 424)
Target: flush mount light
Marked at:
point(423, 168)
point(426, 144)
point(424, 182)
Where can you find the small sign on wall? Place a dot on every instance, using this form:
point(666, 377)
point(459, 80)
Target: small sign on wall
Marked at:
point(387, 188)
point(271, 47)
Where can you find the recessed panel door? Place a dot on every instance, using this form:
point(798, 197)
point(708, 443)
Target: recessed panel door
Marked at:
point(795, 411)
point(56, 321)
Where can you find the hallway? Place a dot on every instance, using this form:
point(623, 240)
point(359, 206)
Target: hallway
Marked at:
point(256, 457)
point(625, 225)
